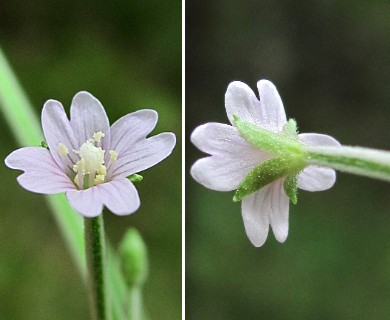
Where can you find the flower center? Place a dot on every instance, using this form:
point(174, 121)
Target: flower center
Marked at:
point(90, 169)
point(91, 156)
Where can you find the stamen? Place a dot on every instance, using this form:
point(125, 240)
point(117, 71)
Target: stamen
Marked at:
point(62, 150)
point(97, 136)
point(79, 166)
point(102, 170)
point(76, 180)
point(99, 179)
point(113, 155)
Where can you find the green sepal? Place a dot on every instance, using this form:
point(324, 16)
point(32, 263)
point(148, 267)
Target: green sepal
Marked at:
point(44, 144)
point(291, 187)
point(134, 258)
point(291, 129)
point(267, 140)
point(269, 171)
point(135, 177)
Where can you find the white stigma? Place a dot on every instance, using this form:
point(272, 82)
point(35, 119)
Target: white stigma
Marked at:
point(93, 156)
point(91, 164)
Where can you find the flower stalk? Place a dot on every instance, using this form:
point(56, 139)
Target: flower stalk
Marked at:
point(134, 262)
point(135, 303)
point(96, 255)
point(356, 160)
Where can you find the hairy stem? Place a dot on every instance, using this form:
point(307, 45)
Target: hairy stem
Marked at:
point(356, 160)
point(96, 255)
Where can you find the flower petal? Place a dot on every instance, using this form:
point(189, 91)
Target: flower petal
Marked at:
point(119, 196)
point(232, 157)
point(42, 174)
point(315, 178)
point(132, 128)
point(279, 206)
point(242, 102)
point(87, 202)
point(58, 130)
point(223, 139)
point(143, 155)
point(220, 173)
point(317, 139)
point(272, 114)
point(255, 210)
point(88, 116)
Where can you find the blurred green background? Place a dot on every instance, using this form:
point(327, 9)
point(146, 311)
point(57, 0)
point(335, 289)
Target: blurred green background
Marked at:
point(330, 63)
point(127, 54)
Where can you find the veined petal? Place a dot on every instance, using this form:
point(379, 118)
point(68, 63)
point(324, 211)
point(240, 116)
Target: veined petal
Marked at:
point(145, 154)
point(232, 157)
point(220, 173)
point(119, 196)
point(223, 139)
point(41, 173)
point(58, 130)
point(315, 178)
point(279, 206)
point(88, 202)
point(317, 139)
point(88, 116)
point(272, 114)
point(255, 211)
point(132, 128)
point(241, 101)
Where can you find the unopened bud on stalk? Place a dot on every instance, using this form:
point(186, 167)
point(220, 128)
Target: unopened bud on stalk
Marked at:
point(134, 258)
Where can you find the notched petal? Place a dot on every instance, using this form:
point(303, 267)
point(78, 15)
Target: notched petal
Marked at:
point(87, 202)
point(41, 173)
point(273, 116)
point(132, 128)
point(240, 100)
point(255, 214)
point(119, 196)
point(87, 116)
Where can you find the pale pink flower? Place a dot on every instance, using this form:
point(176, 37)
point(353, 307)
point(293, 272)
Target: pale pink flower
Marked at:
point(232, 157)
point(87, 159)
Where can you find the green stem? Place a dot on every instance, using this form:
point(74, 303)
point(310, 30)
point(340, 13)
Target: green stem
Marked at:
point(356, 160)
point(135, 303)
point(95, 251)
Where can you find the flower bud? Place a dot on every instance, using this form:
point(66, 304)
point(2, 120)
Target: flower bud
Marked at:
point(134, 258)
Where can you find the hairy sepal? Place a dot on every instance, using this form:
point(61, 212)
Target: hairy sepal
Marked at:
point(279, 143)
point(269, 171)
point(291, 187)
